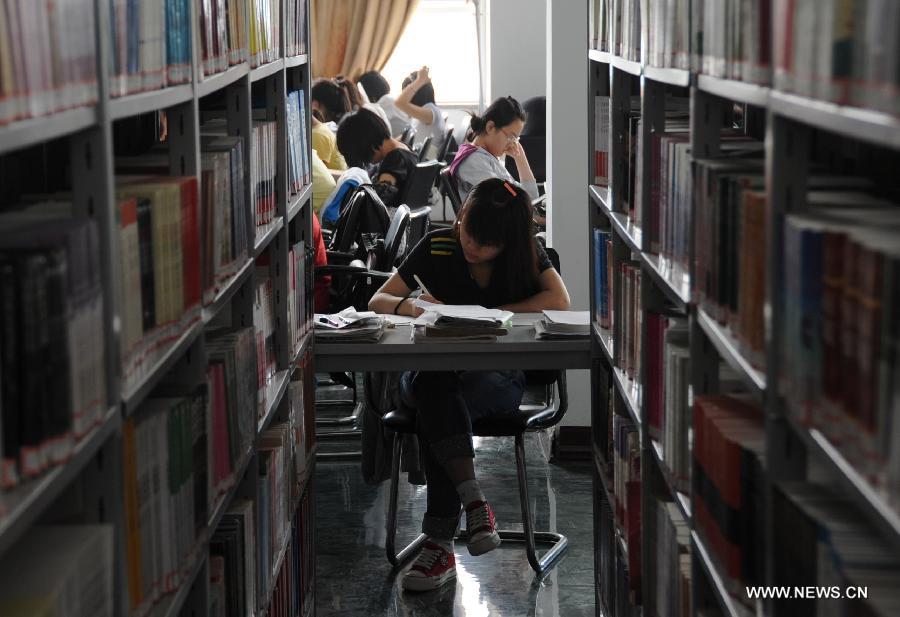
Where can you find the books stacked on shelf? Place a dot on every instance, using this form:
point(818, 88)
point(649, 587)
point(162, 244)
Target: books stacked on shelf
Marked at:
point(603, 261)
point(265, 31)
point(164, 471)
point(625, 28)
point(839, 355)
point(294, 581)
point(160, 275)
point(668, 31)
point(599, 35)
point(264, 324)
point(231, 421)
point(273, 500)
point(223, 34)
point(671, 193)
point(733, 38)
point(150, 45)
point(843, 52)
point(628, 339)
point(299, 170)
point(605, 560)
point(822, 541)
point(601, 140)
point(670, 572)
point(728, 505)
point(294, 27)
point(232, 562)
point(730, 243)
point(60, 570)
point(224, 235)
point(631, 163)
point(300, 294)
point(59, 69)
point(667, 391)
point(627, 492)
point(262, 174)
point(52, 356)
point(302, 419)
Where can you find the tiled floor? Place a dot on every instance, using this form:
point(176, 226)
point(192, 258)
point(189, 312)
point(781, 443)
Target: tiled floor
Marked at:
point(354, 577)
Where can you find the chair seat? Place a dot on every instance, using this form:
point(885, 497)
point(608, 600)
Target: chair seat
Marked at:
point(403, 420)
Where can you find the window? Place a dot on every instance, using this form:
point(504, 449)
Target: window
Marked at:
point(442, 34)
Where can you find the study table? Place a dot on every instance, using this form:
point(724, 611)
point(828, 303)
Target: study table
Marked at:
point(397, 352)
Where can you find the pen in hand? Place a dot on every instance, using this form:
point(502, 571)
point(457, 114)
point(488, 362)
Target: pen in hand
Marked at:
point(422, 285)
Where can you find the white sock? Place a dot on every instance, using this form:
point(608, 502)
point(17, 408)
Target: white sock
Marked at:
point(469, 491)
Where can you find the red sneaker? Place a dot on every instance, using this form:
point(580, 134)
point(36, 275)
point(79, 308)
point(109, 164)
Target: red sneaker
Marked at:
point(433, 567)
point(482, 528)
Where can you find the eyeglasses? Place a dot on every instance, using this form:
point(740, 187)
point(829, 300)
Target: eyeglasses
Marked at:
point(510, 138)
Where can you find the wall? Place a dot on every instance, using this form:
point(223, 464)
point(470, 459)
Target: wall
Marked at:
point(567, 168)
point(518, 48)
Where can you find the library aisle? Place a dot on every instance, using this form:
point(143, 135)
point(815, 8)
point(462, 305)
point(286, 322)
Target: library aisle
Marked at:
point(354, 578)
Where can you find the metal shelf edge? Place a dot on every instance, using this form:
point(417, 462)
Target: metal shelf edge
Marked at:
point(214, 83)
point(604, 337)
point(725, 345)
point(266, 70)
point(599, 56)
point(174, 602)
point(668, 75)
point(294, 61)
point(281, 379)
point(725, 600)
point(680, 297)
point(629, 66)
point(231, 287)
point(744, 92)
point(623, 384)
point(32, 131)
point(262, 242)
point(622, 224)
point(228, 497)
point(143, 102)
point(298, 201)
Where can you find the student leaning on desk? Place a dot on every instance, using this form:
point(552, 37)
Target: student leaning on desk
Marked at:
point(490, 258)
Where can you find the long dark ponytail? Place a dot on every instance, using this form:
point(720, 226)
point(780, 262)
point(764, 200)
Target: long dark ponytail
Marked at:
point(499, 213)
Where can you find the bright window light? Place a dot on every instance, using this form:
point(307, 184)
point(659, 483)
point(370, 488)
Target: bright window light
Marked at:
point(442, 35)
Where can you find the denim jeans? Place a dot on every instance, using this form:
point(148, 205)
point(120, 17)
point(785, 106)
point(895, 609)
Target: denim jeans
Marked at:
point(446, 403)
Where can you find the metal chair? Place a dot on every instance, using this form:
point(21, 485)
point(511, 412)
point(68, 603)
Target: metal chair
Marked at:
point(423, 148)
point(449, 189)
point(408, 136)
point(419, 221)
point(417, 188)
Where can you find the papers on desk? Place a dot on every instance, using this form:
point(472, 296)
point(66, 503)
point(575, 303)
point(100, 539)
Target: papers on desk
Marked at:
point(561, 325)
point(456, 323)
point(349, 326)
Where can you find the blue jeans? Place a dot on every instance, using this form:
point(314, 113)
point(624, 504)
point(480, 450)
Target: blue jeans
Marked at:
point(446, 404)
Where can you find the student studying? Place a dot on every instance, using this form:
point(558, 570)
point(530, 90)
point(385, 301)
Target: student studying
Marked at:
point(417, 101)
point(490, 258)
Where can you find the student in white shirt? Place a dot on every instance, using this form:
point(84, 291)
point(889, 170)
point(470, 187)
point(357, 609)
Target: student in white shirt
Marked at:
point(417, 100)
point(378, 90)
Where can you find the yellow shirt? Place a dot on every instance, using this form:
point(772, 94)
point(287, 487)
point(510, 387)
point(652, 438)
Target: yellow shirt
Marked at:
point(325, 143)
point(322, 181)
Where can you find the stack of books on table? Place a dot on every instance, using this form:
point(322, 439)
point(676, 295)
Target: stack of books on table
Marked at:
point(457, 323)
point(349, 326)
point(563, 325)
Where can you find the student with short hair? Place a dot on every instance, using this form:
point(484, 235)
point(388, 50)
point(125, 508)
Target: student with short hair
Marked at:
point(417, 100)
point(379, 92)
point(494, 133)
point(363, 138)
point(491, 258)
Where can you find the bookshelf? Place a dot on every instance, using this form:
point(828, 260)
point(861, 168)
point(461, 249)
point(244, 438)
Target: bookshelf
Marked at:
point(795, 143)
point(90, 485)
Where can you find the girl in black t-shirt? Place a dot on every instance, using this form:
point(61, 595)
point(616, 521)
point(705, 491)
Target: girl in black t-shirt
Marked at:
point(490, 258)
point(363, 138)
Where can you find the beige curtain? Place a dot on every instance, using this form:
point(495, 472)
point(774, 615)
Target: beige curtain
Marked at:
point(350, 37)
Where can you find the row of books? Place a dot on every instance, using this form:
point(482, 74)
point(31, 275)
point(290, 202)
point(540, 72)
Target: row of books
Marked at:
point(668, 32)
point(839, 351)
point(667, 391)
point(60, 570)
point(670, 573)
point(232, 563)
point(617, 27)
point(295, 582)
point(160, 261)
point(631, 164)
point(729, 224)
point(729, 494)
point(843, 51)
point(626, 487)
point(295, 24)
point(59, 70)
point(264, 324)
point(263, 166)
point(273, 501)
point(164, 483)
point(225, 238)
point(605, 557)
point(732, 39)
point(603, 277)
point(233, 385)
point(300, 292)
point(52, 356)
point(601, 140)
point(223, 34)
point(670, 191)
point(628, 330)
point(150, 44)
point(823, 542)
point(265, 31)
point(299, 169)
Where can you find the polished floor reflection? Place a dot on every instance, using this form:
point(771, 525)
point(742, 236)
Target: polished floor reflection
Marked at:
point(353, 576)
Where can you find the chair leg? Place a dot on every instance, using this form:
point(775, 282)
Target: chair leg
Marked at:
point(397, 559)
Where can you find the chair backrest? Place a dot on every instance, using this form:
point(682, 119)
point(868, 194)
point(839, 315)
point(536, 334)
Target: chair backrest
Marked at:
point(418, 226)
point(423, 148)
point(448, 184)
point(408, 136)
point(394, 239)
point(417, 189)
point(445, 146)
